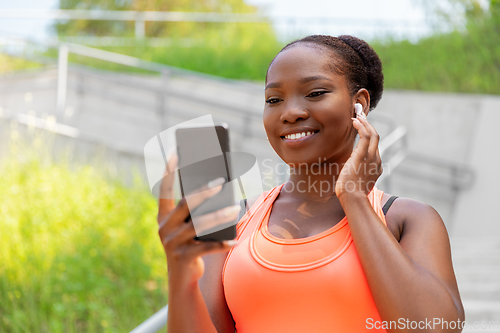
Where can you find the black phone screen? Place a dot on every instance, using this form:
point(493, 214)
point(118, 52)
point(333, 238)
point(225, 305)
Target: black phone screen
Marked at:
point(195, 173)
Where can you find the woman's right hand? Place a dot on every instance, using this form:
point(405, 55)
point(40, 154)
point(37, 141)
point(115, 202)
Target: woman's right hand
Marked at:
point(182, 250)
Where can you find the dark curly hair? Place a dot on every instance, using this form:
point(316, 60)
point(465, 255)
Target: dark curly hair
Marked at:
point(356, 60)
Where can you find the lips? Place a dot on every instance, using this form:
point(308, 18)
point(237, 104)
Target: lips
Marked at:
point(298, 129)
point(298, 137)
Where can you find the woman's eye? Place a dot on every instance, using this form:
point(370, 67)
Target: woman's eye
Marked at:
point(317, 93)
point(272, 100)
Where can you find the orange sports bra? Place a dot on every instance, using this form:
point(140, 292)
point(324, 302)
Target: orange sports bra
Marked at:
point(313, 284)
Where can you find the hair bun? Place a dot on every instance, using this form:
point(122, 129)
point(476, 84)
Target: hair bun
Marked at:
point(373, 67)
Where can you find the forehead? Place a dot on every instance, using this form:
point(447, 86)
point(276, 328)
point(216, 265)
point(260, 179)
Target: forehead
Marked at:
point(302, 59)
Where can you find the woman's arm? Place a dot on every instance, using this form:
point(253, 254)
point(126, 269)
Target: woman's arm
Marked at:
point(212, 288)
point(187, 311)
point(213, 293)
point(412, 279)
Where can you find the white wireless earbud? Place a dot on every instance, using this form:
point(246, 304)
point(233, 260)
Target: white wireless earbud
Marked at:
point(359, 110)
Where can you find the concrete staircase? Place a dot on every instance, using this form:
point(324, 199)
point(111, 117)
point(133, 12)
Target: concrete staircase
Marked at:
point(477, 268)
point(122, 112)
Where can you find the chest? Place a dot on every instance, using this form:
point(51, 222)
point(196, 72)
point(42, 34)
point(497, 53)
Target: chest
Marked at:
point(290, 222)
point(318, 281)
point(307, 219)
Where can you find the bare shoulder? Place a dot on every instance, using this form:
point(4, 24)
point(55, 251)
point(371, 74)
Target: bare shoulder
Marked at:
point(423, 236)
point(405, 210)
point(405, 215)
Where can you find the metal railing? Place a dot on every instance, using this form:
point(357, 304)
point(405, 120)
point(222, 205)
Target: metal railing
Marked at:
point(18, 46)
point(154, 323)
point(397, 139)
point(66, 48)
point(394, 151)
point(140, 17)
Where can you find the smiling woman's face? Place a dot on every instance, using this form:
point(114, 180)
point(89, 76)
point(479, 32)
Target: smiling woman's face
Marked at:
point(303, 95)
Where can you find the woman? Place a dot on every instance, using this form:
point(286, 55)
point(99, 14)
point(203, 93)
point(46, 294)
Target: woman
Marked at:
point(298, 266)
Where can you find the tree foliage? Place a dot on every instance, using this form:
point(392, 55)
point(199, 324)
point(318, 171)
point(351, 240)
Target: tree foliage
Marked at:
point(153, 29)
point(466, 59)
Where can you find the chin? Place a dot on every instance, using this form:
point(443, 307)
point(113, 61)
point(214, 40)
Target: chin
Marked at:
point(305, 159)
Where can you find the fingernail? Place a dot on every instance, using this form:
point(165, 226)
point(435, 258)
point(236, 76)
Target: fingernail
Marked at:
point(231, 210)
point(362, 115)
point(231, 242)
point(216, 182)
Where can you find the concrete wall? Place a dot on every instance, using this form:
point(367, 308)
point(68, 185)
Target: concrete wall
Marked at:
point(461, 128)
point(477, 213)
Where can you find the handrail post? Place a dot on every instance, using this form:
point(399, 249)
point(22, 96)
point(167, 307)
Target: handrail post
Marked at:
point(140, 26)
point(154, 323)
point(62, 80)
point(163, 99)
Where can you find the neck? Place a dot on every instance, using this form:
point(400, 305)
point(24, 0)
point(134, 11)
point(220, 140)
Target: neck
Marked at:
point(315, 181)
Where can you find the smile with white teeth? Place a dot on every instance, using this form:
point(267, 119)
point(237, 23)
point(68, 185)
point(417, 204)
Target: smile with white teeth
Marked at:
point(296, 136)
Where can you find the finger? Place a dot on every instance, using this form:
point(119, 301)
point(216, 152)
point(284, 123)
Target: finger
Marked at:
point(198, 196)
point(184, 233)
point(203, 223)
point(364, 139)
point(214, 219)
point(206, 247)
point(167, 185)
point(166, 202)
point(175, 218)
point(378, 160)
point(181, 212)
point(374, 138)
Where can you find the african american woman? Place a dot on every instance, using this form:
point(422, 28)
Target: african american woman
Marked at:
point(322, 252)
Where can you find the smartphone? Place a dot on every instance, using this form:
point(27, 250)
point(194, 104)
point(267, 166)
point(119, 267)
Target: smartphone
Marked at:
point(194, 173)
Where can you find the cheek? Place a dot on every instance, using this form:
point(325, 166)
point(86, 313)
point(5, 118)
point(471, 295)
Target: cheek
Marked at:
point(335, 115)
point(269, 120)
point(338, 125)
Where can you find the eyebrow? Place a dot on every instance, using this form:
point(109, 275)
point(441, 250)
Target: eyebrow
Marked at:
point(273, 85)
point(302, 81)
point(314, 78)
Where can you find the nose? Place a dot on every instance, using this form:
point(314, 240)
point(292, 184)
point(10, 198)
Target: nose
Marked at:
point(292, 112)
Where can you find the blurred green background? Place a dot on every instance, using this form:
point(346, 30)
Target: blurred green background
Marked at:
point(55, 274)
point(79, 250)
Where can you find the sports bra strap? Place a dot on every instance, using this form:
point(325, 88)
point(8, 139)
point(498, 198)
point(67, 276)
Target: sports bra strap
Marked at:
point(388, 204)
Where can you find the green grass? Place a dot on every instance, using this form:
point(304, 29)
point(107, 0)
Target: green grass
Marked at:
point(9, 64)
point(79, 252)
point(243, 52)
point(454, 62)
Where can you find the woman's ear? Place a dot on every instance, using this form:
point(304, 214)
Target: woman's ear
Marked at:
point(363, 97)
